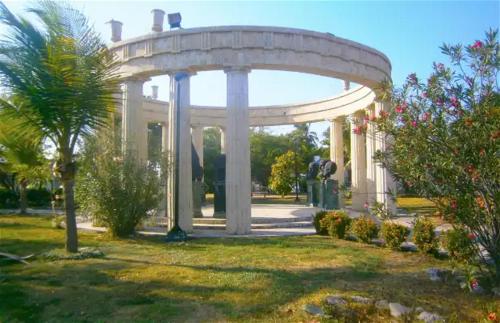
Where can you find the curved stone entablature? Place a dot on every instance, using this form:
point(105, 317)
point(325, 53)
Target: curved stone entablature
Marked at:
point(327, 109)
point(252, 47)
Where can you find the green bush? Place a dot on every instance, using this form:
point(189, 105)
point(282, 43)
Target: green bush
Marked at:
point(9, 199)
point(459, 243)
point(117, 191)
point(394, 234)
point(317, 222)
point(39, 197)
point(364, 228)
point(336, 223)
point(424, 236)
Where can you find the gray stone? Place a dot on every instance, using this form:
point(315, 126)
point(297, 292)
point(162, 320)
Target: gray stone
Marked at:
point(314, 310)
point(428, 317)
point(335, 300)
point(398, 310)
point(361, 299)
point(382, 304)
point(437, 274)
point(419, 309)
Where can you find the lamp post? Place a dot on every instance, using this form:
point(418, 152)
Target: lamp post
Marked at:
point(176, 234)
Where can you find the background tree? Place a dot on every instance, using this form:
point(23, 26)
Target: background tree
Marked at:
point(264, 148)
point(21, 155)
point(282, 174)
point(211, 149)
point(62, 72)
point(445, 141)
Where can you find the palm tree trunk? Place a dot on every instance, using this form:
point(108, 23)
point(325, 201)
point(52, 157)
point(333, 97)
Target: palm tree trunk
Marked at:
point(69, 205)
point(23, 199)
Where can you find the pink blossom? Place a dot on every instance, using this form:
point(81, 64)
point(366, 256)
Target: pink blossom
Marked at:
point(453, 204)
point(474, 284)
point(471, 236)
point(414, 124)
point(400, 109)
point(439, 101)
point(478, 44)
point(366, 205)
point(426, 116)
point(454, 102)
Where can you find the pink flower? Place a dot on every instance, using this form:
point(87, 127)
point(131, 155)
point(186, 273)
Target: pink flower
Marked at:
point(439, 101)
point(454, 102)
point(471, 236)
point(453, 204)
point(383, 114)
point(357, 130)
point(399, 109)
point(412, 78)
point(424, 94)
point(366, 205)
point(474, 284)
point(478, 44)
point(414, 124)
point(426, 116)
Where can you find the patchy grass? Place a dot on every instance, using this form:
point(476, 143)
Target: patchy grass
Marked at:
point(266, 279)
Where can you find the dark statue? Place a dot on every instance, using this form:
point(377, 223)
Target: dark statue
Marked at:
point(195, 164)
point(312, 170)
point(325, 168)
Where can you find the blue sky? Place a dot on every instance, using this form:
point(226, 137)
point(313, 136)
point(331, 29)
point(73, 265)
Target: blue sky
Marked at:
point(408, 32)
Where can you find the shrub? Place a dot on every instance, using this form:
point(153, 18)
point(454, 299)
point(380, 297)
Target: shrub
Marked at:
point(118, 192)
point(460, 246)
point(424, 236)
point(39, 197)
point(317, 222)
point(444, 132)
point(9, 199)
point(394, 234)
point(336, 223)
point(364, 228)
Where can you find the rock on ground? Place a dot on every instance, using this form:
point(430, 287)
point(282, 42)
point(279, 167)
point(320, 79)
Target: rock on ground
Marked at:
point(361, 299)
point(428, 317)
point(382, 304)
point(314, 310)
point(335, 300)
point(398, 310)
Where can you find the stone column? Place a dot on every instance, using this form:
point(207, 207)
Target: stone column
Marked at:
point(185, 170)
point(131, 116)
point(142, 139)
point(384, 184)
point(238, 199)
point(222, 140)
point(358, 164)
point(337, 152)
point(197, 134)
point(370, 164)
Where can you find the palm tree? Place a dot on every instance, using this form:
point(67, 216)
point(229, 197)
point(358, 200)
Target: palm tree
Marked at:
point(22, 156)
point(62, 73)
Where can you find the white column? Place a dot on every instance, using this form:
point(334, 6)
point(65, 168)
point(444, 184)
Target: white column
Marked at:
point(358, 164)
point(370, 164)
point(185, 170)
point(131, 117)
point(142, 138)
point(222, 140)
point(238, 203)
point(197, 134)
point(337, 151)
point(384, 185)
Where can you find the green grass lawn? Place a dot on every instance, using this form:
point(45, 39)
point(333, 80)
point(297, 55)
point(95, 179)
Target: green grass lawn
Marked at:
point(266, 279)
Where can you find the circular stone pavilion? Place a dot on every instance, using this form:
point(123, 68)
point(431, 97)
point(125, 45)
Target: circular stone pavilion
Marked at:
point(237, 50)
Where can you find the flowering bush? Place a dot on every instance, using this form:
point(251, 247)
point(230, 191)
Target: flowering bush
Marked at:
point(364, 228)
point(317, 222)
point(424, 236)
point(336, 223)
point(445, 140)
point(394, 234)
point(459, 243)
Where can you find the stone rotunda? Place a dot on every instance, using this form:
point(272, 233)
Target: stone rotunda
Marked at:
point(237, 50)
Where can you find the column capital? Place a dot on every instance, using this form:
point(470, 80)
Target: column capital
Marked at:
point(135, 78)
point(237, 68)
point(183, 73)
